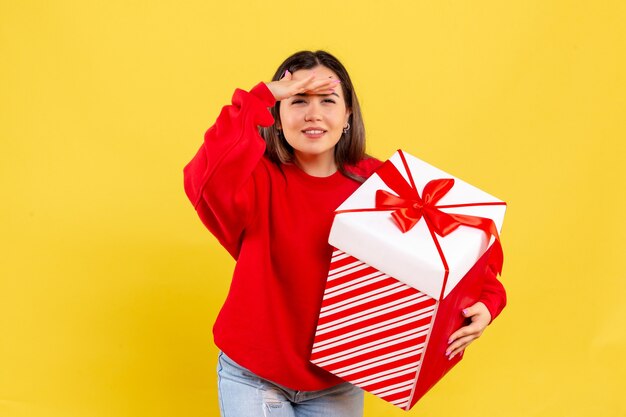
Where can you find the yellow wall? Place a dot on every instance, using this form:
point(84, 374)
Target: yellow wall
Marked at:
point(109, 284)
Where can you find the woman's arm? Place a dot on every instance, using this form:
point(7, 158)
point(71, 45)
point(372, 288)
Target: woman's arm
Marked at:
point(217, 178)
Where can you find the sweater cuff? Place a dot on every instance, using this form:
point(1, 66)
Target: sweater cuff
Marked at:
point(264, 94)
point(493, 305)
point(493, 295)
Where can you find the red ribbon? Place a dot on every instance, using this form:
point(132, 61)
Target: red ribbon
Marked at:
point(408, 208)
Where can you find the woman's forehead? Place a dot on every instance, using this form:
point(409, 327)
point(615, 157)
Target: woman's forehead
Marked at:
point(321, 71)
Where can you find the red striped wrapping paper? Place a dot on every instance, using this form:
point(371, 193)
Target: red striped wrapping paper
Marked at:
point(372, 329)
point(385, 336)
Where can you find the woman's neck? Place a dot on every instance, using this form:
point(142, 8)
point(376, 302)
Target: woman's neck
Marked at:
point(316, 165)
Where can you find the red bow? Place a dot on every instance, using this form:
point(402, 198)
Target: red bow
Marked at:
point(409, 208)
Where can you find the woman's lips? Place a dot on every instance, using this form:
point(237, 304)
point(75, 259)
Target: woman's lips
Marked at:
point(314, 133)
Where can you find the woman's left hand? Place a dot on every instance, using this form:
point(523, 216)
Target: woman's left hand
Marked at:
point(459, 340)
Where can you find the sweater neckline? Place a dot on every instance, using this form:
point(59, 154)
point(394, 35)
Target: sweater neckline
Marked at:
point(334, 178)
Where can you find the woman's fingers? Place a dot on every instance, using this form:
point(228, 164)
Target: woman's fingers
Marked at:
point(459, 340)
point(319, 85)
point(459, 345)
point(286, 76)
point(327, 87)
point(315, 85)
point(287, 86)
point(470, 329)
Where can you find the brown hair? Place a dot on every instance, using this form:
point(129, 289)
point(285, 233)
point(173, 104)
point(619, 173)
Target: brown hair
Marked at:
point(351, 146)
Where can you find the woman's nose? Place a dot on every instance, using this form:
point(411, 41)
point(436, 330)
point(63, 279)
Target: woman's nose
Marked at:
point(312, 113)
point(309, 117)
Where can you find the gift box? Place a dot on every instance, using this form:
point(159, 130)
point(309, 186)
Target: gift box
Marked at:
point(413, 245)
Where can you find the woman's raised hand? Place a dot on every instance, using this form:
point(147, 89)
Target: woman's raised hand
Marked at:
point(311, 84)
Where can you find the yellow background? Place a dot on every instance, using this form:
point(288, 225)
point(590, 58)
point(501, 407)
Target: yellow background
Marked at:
point(109, 284)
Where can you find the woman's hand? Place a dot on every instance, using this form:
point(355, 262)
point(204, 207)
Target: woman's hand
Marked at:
point(459, 340)
point(311, 84)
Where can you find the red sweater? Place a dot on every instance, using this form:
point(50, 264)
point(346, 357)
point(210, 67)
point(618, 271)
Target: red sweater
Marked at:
point(275, 222)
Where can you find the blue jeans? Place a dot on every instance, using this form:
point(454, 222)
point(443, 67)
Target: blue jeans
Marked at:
point(243, 394)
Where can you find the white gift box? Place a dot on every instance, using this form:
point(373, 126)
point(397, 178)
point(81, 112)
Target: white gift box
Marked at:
point(413, 257)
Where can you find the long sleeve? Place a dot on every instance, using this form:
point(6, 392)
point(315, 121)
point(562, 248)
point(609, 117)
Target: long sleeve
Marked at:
point(493, 294)
point(218, 179)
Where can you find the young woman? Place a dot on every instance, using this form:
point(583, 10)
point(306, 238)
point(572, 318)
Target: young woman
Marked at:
point(266, 181)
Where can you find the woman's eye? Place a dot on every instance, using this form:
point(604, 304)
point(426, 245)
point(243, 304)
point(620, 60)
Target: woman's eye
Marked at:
point(329, 100)
point(297, 101)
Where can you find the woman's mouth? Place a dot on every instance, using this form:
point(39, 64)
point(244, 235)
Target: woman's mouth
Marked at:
point(314, 133)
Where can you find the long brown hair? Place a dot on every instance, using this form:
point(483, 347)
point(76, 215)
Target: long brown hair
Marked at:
point(351, 146)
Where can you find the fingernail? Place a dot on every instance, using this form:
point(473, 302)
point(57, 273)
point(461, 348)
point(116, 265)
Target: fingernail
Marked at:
point(337, 81)
point(465, 312)
point(449, 340)
point(450, 357)
point(448, 352)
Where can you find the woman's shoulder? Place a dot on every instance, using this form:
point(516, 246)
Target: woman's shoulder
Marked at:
point(365, 167)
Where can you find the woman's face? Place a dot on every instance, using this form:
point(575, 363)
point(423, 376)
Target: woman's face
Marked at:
point(313, 124)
